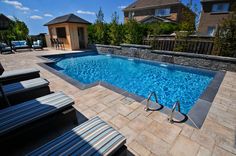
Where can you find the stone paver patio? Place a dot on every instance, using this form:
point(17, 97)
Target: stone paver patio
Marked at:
point(147, 133)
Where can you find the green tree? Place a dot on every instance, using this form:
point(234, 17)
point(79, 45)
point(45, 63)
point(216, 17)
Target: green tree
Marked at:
point(115, 33)
point(225, 38)
point(100, 29)
point(17, 30)
point(186, 27)
point(133, 32)
point(21, 30)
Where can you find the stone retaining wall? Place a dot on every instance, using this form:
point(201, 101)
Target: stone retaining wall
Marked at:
point(188, 59)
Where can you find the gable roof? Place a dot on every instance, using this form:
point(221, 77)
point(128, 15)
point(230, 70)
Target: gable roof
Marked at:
point(150, 3)
point(70, 18)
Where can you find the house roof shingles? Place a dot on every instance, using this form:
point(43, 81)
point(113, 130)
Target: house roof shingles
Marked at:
point(150, 3)
point(70, 18)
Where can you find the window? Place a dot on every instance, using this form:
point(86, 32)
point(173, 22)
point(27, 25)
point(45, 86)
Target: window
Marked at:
point(162, 12)
point(61, 32)
point(131, 15)
point(211, 31)
point(220, 7)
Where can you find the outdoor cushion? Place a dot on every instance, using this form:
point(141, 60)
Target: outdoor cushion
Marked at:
point(16, 73)
point(93, 137)
point(27, 112)
point(15, 43)
point(24, 86)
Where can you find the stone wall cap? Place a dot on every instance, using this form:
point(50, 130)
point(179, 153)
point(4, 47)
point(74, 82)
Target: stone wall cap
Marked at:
point(136, 46)
point(107, 46)
point(193, 55)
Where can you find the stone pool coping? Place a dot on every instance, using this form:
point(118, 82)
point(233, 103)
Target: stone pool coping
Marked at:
point(195, 117)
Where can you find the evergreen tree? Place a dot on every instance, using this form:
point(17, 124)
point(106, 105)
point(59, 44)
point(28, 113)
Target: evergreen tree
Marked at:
point(133, 32)
point(225, 38)
point(101, 31)
point(115, 32)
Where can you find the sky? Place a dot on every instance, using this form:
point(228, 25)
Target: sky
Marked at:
point(35, 13)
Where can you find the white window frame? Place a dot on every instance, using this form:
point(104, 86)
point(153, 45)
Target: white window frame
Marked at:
point(212, 33)
point(158, 12)
point(224, 6)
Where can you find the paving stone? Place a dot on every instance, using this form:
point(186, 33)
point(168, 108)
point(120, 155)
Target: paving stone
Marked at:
point(129, 134)
point(166, 131)
point(226, 144)
point(184, 147)
point(104, 116)
point(141, 150)
point(119, 121)
point(203, 152)
point(134, 105)
point(221, 152)
point(159, 117)
point(203, 139)
point(187, 131)
point(153, 143)
point(98, 107)
point(139, 123)
point(89, 113)
point(123, 110)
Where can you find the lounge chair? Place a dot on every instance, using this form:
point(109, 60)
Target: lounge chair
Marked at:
point(25, 90)
point(37, 45)
point(22, 115)
point(93, 137)
point(18, 75)
point(4, 48)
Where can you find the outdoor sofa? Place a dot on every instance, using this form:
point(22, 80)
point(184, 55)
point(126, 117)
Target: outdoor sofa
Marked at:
point(18, 75)
point(4, 48)
point(20, 45)
point(93, 137)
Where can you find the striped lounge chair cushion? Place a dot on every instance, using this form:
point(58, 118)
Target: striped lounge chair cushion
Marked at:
point(24, 113)
point(93, 137)
point(16, 73)
point(24, 86)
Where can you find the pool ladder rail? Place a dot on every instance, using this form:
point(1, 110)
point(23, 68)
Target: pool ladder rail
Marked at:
point(147, 108)
point(171, 116)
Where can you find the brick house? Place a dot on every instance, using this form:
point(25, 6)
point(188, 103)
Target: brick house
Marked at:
point(147, 11)
point(213, 12)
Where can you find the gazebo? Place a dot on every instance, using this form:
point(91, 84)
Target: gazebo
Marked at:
point(69, 29)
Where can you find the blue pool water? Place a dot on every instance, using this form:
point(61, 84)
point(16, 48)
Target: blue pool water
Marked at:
point(171, 83)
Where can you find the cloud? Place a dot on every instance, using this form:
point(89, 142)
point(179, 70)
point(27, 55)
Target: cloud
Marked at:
point(36, 10)
point(86, 12)
point(36, 17)
point(11, 17)
point(121, 7)
point(48, 15)
point(18, 5)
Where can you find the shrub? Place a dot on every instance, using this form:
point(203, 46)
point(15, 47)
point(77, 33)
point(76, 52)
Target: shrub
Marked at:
point(225, 38)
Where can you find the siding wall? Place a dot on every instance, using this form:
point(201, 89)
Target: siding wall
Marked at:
point(71, 41)
point(209, 19)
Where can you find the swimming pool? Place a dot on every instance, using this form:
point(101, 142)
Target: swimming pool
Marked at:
point(171, 82)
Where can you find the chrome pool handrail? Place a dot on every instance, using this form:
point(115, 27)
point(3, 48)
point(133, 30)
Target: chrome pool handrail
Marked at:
point(149, 97)
point(170, 118)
